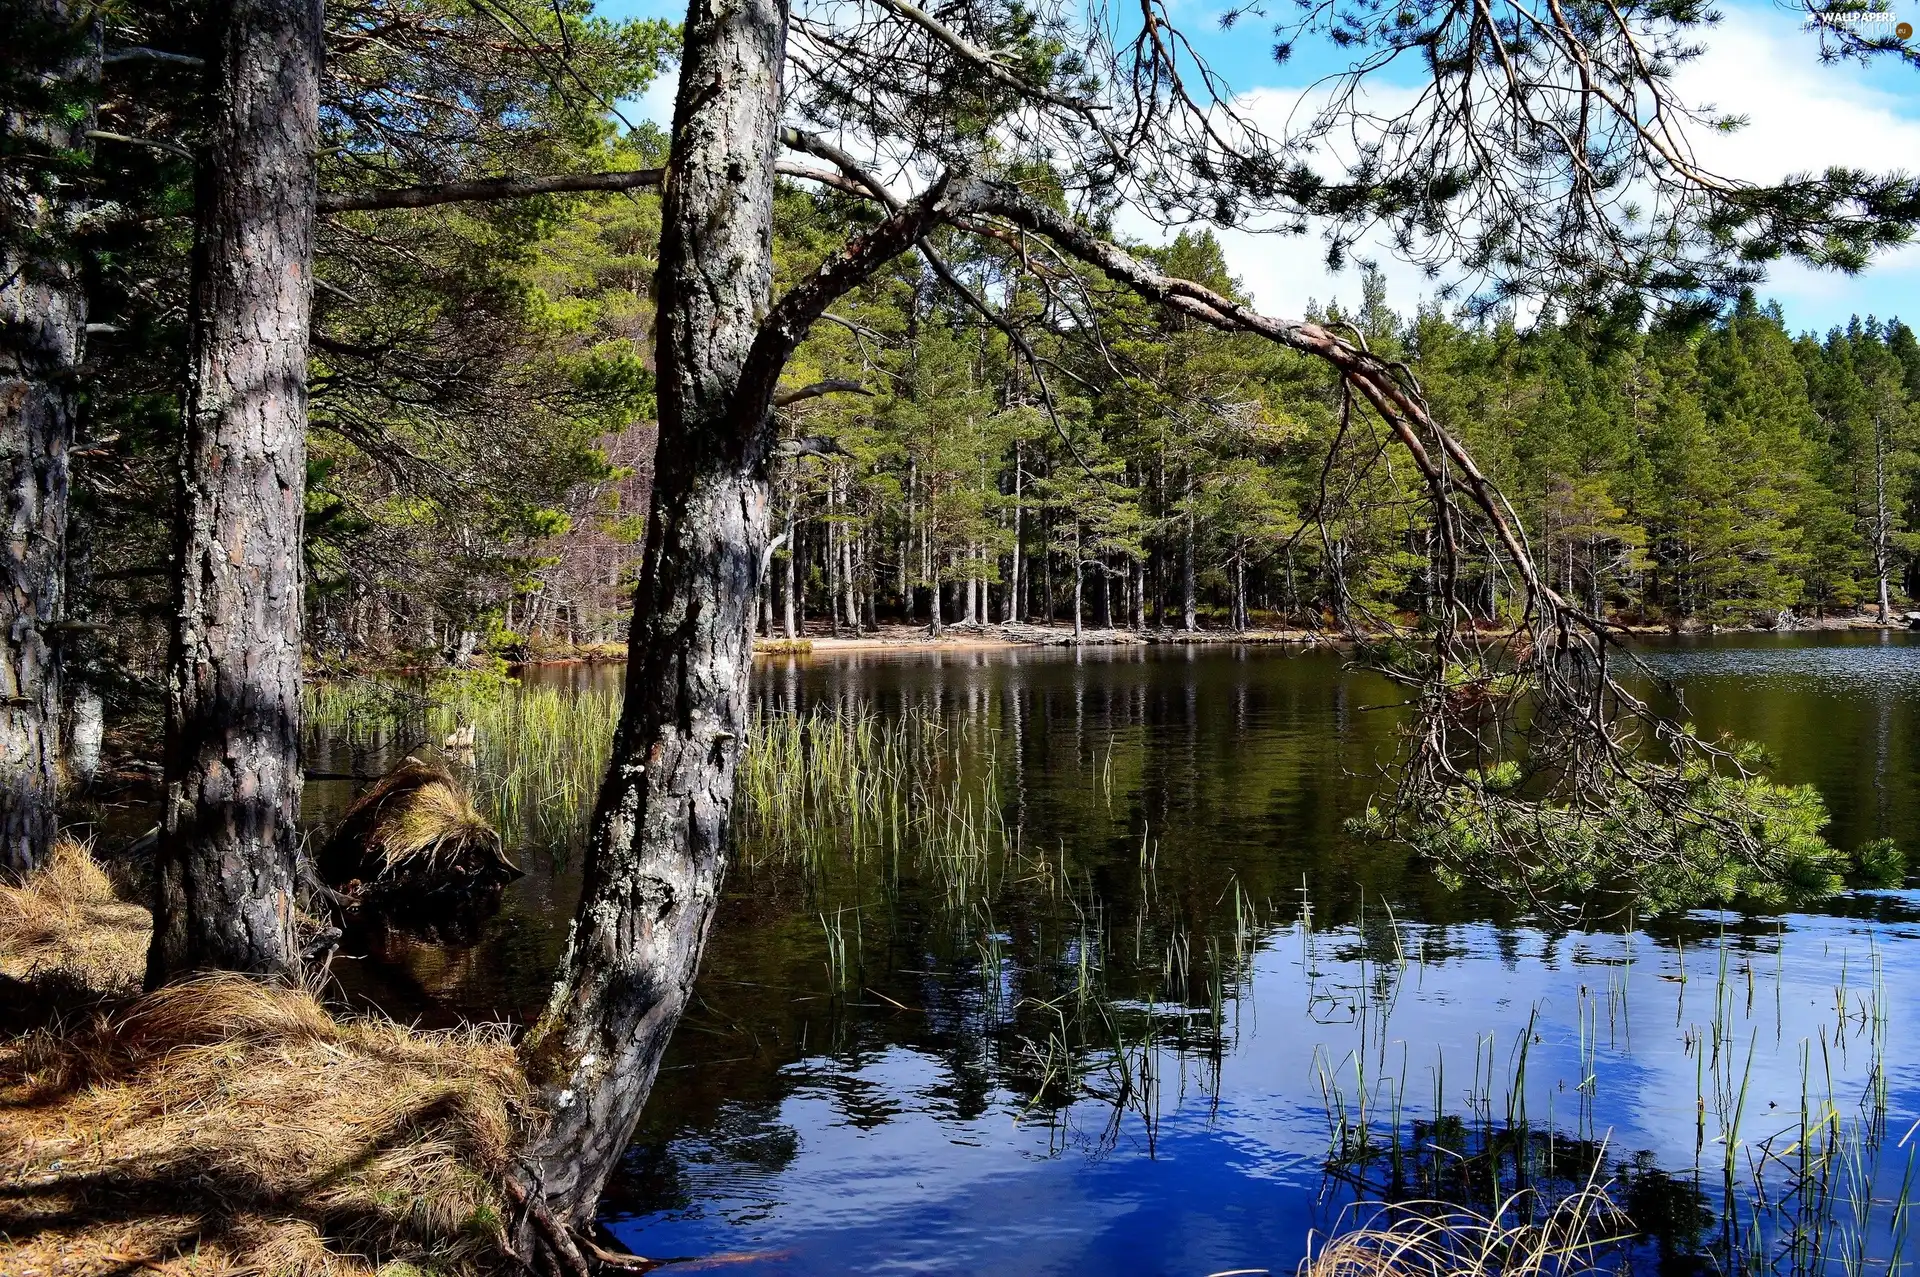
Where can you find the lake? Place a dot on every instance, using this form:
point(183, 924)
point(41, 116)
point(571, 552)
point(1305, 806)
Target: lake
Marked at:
point(1106, 987)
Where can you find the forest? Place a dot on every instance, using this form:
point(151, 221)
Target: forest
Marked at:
point(482, 403)
point(1169, 476)
point(358, 357)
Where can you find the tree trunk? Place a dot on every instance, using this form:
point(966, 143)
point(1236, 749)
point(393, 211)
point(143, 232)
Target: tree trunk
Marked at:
point(847, 579)
point(1014, 612)
point(905, 578)
point(968, 615)
point(1882, 519)
point(1079, 581)
point(793, 570)
point(1189, 602)
point(659, 834)
point(830, 565)
point(43, 320)
point(1240, 586)
point(225, 880)
point(83, 723)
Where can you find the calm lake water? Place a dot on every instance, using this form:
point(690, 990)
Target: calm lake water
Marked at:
point(1160, 1014)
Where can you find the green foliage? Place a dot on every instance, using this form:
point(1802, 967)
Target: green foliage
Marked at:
point(1656, 837)
point(1879, 863)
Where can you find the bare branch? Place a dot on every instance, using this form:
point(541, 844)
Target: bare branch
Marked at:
point(140, 53)
point(831, 386)
point(514, 188)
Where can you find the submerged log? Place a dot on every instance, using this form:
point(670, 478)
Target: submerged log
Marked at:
point(415, 834)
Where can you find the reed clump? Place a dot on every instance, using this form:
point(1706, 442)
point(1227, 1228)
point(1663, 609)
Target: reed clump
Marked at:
point(417, 830)
point(64, 934)
point(1439, 1239)
point(227, 1126)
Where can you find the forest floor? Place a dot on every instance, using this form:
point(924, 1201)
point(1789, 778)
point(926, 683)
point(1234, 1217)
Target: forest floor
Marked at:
point(225, 1126)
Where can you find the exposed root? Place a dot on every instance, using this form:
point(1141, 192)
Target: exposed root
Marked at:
point(226, 1126)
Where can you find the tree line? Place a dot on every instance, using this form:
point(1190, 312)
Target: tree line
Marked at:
point(301, 321)
point(1169, 476)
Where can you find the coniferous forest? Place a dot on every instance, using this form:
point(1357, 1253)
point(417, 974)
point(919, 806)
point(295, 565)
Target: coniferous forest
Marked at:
point(483, 391)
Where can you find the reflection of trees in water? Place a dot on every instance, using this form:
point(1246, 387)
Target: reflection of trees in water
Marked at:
point(1152, 824)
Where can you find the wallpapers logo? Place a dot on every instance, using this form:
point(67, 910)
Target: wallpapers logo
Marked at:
point(1867, 24)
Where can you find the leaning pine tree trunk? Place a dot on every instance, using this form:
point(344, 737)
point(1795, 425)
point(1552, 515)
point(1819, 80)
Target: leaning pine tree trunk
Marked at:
point(224, 895)
point(658, 842)
point(43, 319)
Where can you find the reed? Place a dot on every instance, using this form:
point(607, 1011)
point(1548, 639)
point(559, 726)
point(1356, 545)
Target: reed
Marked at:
point(1828, 1195)
point(1518, 1237)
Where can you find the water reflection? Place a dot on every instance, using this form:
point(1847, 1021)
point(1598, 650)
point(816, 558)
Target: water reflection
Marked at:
point(1114, 1042)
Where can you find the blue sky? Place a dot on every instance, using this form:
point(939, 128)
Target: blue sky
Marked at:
point(1759, 63)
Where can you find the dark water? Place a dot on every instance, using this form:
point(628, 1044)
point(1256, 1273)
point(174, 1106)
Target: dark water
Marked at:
point(1131, 1043)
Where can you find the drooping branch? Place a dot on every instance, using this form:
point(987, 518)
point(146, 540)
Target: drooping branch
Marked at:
point(995, 67)
point(1376, 379)
point(1527, 764)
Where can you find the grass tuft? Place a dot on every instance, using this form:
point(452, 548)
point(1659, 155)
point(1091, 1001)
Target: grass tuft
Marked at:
point(1439, 1239)
point(227, 1126)
point(65, 935)
point(418, 827)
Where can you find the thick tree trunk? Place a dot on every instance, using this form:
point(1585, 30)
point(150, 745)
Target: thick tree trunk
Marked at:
point(225, 880)
point(660, 829)
point(43, 320)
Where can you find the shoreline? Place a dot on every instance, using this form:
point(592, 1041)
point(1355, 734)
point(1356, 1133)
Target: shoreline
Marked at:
point(983, 638)
point(988, 638)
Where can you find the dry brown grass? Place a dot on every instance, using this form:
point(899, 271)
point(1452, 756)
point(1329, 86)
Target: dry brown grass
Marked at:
point(1438, 1239)
point(416, 828)
point(64, 933)
point(226, 1127)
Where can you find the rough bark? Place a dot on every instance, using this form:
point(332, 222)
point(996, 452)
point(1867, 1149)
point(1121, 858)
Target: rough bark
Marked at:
point(43, 319)
point(660, 827)
point(224, 894)
point(657, 849)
